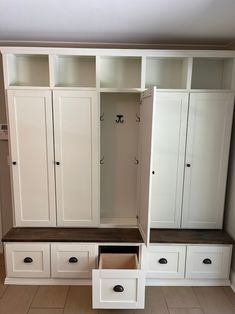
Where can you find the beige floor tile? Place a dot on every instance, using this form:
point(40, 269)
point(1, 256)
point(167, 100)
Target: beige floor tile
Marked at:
point(3, 288)
point(1, 260)
point(50, 297)
point(17, 299)
point(180, 297)
point(155, 300)
point(213, 300)
point(2, 271)
point(45, 311)
point(185, 311)
point(79, 301)
point(230, 294)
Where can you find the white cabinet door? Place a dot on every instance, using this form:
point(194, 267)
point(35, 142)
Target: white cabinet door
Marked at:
point(76, 154)
point(169, 129)
point(208, 140)
point(145, 171)
point(32, 157)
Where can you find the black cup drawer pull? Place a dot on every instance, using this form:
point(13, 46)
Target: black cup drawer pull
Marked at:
point(118, 288)
point(207, 261)
point(28, 260)
point(73, 260)
point(162, 261)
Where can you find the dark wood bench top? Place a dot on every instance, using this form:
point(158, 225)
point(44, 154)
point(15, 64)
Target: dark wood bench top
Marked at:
point(35, 234)
point(190, 236)
point(115, 235)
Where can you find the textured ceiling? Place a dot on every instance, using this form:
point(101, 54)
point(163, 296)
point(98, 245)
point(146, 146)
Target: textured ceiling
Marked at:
point(124, 21)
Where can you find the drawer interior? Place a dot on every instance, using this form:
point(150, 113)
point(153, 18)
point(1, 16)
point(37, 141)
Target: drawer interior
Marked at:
point(118, 261)
point(124, 249)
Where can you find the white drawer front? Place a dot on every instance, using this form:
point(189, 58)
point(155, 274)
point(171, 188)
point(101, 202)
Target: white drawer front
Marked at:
point(208, 262)
point(164, 261)
point(72, 260)
point(105, 282)
point(27, 260)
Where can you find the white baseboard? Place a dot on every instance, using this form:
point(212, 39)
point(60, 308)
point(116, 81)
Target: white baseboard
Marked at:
point(88, 282)
point(187, 282)
point(232, 277)
point(48, 281)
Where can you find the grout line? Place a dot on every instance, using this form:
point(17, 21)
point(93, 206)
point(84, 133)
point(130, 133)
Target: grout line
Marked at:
point(201, 307)
point(33, 299)
point(66, 298)
point(4, 292)
point(164, 297)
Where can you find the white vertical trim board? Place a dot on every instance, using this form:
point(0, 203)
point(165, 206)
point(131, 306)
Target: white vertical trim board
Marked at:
point(232, 278)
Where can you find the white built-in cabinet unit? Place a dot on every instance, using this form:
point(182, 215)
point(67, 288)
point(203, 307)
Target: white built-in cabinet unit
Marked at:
point(87, 149)
point(119, 138)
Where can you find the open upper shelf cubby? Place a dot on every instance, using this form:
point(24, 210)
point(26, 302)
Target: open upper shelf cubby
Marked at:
point(75, 71)
point(28, 70)
point(120, 72)
point(212, 73)
point(166, 73)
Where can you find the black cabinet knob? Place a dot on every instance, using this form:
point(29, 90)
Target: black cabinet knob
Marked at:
point(162, 261)
point(188, 165)
point(207, 261)
point(14, 163)
point(73, 259)
point(153, 172)
point(28, 260)
point(118, 288)
point(57, 163)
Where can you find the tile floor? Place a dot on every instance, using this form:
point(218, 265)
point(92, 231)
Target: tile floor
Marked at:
point(77, 300)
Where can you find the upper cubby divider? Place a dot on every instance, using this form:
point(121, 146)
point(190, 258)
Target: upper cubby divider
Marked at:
point(28, 70)
point(74, 71)
point(120, 72)
point(166, 73)
point(212, 73)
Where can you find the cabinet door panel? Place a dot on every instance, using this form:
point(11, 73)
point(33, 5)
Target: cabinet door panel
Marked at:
point(169, 129)
point(30, 121)
point(76, 149)
point(145, 171)
point(208, 139)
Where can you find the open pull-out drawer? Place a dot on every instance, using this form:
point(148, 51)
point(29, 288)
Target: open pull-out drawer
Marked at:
point(118, 283)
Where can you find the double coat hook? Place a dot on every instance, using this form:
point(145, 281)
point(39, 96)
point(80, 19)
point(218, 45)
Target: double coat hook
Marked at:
point(119, 118)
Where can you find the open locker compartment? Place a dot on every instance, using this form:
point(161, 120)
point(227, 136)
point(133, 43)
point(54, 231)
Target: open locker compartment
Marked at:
point(126, 165)
point(119, 130)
